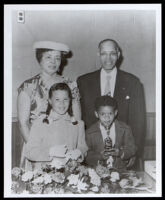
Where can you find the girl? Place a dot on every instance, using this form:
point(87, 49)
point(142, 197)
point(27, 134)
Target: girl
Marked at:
point(58, 127)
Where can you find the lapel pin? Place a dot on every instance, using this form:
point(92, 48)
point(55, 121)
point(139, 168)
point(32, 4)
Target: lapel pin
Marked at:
point(127, 97)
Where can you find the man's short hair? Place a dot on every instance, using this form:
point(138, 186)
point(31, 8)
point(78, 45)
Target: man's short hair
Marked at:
point(105, 101)
point(109, 40)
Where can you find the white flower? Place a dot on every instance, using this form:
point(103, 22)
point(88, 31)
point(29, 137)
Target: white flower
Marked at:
point(73, 154)
point(37, 172)
point(115, 175)
point(58, 164)
point(58, 177)
point(102, 171)
point(48, 190)
point(59, 191)
point(94, 189)
point(94, 177)
point(81, 185)
point(38, 180)
point(73, 179)
point(113, 180)
point(37, 189)
point(16, 171)
point(47, 178)
point(27, 176)
point(14, 186)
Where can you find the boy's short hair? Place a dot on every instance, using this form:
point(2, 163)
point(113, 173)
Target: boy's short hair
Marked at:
point(105, 101)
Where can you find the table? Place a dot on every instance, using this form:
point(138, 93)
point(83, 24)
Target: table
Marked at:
point(148, 180)
point(150, 168)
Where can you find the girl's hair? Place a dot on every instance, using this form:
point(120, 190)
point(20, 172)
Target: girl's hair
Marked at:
point(55, 87)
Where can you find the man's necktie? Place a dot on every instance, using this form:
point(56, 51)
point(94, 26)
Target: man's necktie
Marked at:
point(108, 86)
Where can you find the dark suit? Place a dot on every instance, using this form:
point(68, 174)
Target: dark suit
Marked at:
point(129, 95)
point(124, 138)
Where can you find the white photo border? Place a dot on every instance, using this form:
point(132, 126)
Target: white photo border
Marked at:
point(8, 89)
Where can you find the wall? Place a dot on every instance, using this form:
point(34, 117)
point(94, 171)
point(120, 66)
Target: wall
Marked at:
point(82, 31)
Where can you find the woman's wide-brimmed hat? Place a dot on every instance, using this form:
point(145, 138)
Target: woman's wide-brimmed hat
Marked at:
point(51, 45)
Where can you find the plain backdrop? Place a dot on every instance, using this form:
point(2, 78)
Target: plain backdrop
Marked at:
point(134, 30)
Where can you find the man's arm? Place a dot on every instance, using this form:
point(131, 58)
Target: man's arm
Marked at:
point(137, 115)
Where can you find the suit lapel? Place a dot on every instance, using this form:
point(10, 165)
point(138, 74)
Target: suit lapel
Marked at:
point(118, 85)
point(96, 85)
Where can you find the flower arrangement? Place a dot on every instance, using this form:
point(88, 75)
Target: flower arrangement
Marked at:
point(71, 176)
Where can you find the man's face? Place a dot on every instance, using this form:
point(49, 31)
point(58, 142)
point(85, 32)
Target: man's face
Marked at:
point(106, 115)
point(108, 55)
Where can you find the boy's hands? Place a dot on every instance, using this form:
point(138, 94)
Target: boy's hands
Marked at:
point(113, 152)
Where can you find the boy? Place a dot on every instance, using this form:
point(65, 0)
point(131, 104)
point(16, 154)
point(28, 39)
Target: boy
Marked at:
point(108, 136)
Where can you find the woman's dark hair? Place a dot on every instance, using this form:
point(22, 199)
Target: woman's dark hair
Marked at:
point(55, 87)
point(39, 53)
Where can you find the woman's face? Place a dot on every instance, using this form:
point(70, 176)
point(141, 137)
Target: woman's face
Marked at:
point(50, 62)
point(60, 101)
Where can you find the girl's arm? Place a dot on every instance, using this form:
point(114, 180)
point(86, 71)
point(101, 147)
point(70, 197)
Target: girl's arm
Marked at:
point(23, 107)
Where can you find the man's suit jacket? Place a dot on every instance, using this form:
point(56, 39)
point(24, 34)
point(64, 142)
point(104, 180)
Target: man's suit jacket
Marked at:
point(130, 98)
point(124, 138)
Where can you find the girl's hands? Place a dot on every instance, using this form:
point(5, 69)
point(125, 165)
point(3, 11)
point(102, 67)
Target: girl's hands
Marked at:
point(58, 151)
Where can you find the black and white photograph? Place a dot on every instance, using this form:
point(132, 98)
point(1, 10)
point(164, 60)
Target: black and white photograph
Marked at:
point(82, 100)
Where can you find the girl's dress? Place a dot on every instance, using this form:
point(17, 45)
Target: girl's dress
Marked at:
point(59, 131)
point(37, 90)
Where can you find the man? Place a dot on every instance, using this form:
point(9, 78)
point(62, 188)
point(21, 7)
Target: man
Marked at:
point(124, 87)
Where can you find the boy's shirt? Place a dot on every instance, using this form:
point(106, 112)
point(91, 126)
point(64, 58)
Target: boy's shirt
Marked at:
point(112, 134)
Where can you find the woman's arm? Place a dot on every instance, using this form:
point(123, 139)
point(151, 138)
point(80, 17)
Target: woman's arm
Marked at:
point(81, 138)
point(23, 110)
point(76, 109)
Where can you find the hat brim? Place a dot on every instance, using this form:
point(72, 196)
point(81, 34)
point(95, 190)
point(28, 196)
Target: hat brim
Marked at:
point(52, 46)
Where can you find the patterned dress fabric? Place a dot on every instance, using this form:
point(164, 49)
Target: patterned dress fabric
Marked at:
point(38, 93)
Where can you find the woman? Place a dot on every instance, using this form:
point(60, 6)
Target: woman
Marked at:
point(33, 93)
